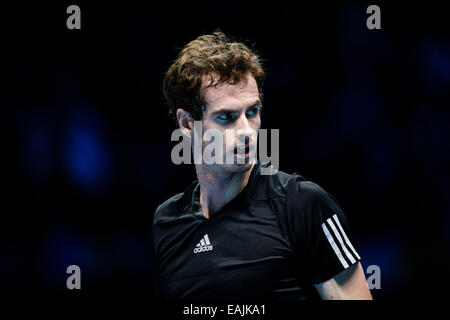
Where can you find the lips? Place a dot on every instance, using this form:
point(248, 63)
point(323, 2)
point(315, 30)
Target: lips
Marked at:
point(246, 148)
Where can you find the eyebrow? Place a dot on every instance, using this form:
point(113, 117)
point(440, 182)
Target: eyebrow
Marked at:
point(225, 110)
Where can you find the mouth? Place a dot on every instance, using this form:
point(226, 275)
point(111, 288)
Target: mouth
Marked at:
point(242, 151)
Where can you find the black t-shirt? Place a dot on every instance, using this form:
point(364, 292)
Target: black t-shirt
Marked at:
point(280, 235)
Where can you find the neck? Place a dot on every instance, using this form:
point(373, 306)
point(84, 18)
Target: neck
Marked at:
point(217, 189)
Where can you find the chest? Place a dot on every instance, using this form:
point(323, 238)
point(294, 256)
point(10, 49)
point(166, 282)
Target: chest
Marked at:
point(239, 253)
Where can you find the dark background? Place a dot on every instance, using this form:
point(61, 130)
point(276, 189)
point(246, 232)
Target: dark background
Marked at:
point(86, 140)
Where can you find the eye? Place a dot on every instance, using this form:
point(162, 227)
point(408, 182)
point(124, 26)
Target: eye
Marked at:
point(253, 111)
point(226, 116)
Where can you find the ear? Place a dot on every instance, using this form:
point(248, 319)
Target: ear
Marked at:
point(185, 121)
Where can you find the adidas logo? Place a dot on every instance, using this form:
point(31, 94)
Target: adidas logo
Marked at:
point(203, 245)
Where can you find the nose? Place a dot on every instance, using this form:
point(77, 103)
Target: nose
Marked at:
point(244, 130)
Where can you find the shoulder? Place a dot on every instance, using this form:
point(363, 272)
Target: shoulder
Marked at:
point(297, 190)
point(307, 191)
point(172, 207)
point(167, 208)
point(271, 184)
point(290, 184)
point(308, 200)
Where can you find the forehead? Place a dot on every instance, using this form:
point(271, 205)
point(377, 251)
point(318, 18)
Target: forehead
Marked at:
point(231, 95)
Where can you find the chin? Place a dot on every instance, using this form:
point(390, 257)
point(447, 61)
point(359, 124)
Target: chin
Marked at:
point(236, 168)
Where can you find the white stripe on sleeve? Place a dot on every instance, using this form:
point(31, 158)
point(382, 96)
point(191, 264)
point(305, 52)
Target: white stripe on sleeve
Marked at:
point(338, 236)
point(334, 246)
point(345, 237)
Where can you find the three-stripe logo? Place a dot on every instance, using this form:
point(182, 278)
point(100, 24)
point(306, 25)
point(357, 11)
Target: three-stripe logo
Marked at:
point(203, 245)
point(343, 248)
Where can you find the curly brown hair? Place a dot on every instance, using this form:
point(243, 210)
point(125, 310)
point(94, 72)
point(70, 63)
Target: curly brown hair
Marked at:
point(213, 55)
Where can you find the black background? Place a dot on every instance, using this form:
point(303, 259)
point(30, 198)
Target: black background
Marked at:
point(363, 113)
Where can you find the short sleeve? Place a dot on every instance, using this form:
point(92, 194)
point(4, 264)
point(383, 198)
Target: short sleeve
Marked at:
point(321, 232)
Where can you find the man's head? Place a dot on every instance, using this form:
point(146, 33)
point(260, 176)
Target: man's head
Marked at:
point(218, 82)
point(202, 60)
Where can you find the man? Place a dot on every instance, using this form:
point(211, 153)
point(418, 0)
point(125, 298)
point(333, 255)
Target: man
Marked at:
point(236, 233)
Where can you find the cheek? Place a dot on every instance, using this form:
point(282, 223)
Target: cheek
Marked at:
point(228, 143)
point(257, 123)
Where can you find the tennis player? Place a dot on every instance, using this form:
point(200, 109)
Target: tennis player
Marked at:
point(235, 233)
